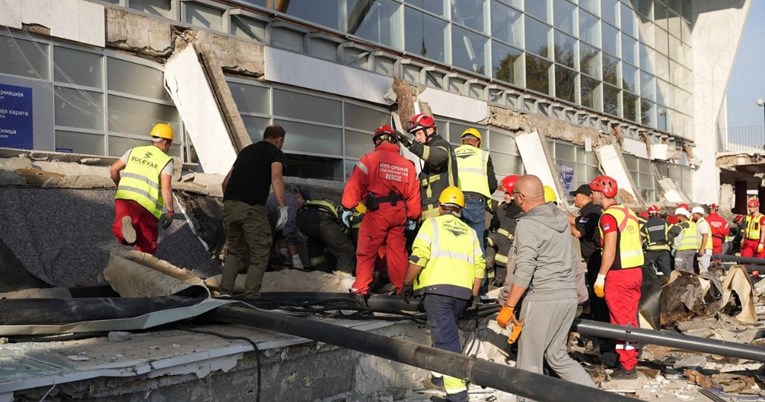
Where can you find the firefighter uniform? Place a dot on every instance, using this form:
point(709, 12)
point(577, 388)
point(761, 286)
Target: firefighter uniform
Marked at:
point(654, 232)
point(624, 278)
point(386, 182)
point(320, 222)
point(500, 239)
point(752, 231)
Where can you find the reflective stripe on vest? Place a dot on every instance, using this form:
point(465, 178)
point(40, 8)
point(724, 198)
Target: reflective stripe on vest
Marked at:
point(472, 169)
point(708, 246)
point(753, 226)
point(630, 251)
point(690, 240)
point(139, 181)
point(323, 205)
point(452, 254)
point(655, 231)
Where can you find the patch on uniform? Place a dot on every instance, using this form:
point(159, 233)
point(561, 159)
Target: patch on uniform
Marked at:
point(584, 219)
point(390, 172)
point(456, 228)
point(606, 226)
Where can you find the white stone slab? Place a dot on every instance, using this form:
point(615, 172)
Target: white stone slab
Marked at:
point(36, 12)
point(11, 13)
point(636, 148)
point(535, 159)
point(92, 25)
point(612, 163)
point(64, 19)
point(455, 106)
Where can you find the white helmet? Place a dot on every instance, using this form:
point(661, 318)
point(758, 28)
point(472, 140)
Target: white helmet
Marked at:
point(682, 211)
point(698, 210)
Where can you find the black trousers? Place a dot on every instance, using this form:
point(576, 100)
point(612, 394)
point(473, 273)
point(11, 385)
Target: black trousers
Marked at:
point(659, 259)
point(325, 235)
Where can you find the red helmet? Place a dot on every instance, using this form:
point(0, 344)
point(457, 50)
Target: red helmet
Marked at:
point(753, 203)
point(683, 205)
point(606, 185)
point(385, 133)
point(738, 218)
point(653, 209)
point(508, 183)
point(420, 122)
point(714, 206)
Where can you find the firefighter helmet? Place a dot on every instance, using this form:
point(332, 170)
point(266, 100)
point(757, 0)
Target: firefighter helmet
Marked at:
point(606, 185)
point(508, 183)
point(385, 133)
point(653, 209)
point(420, 122)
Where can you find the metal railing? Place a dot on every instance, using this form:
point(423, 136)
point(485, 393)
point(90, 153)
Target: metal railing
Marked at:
point(749, 138)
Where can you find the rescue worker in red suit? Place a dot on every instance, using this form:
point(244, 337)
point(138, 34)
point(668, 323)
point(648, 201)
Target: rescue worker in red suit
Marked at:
point(720, 229)
point(620, 276)
point(672, 219)
point(753, 235)
point(387, 184)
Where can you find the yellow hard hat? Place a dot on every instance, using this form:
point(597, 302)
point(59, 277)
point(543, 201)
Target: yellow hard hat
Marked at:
point(550, 194)
point(471, 131)
point(162, 130)
point(452, 196)
point(361, 208)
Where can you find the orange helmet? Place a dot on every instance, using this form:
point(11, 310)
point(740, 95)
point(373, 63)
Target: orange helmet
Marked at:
point(606, 185)
point(508, 183)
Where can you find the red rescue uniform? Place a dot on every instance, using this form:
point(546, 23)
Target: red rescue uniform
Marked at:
point(752, 235)
point(385, 174)
point(720, 229)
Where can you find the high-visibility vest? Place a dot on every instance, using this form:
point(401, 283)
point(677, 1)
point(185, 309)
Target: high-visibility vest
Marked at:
point(139, 181)
point(434, 179)
point(752, 231)
point(323, 205)
point(655, 232)
point(451, 257)
point(472, 166)
point(690, 240)
point(629, 253)
point(707, 246)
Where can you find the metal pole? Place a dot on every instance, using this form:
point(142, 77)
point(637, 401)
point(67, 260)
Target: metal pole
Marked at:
point(743, 260)
point(478, 371)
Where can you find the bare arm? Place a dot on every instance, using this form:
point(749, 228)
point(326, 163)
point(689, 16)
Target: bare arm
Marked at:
point(114, 170)
point(516, 292)
point(413, 271)
point(703, 243)
point(609, 252)
point(166, 181)
point(277, 182)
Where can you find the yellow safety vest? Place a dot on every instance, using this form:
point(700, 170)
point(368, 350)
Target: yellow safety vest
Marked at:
point(690, 240)
point(451, 257)
point(630, 252)
point(472, 164)
point(323, 205)
point(708, 246)
point(139, 181)
point(752, 226)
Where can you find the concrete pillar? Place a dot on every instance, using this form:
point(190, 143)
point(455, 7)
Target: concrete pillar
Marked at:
point(741, 196)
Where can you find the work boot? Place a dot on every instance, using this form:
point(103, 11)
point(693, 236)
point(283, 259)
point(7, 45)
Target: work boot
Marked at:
point(458, 397)
point(128, 231)
point(434, 383)
point(623, 374)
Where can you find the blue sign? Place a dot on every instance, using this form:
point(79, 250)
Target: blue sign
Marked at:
point(566, 173)
point(16, 122)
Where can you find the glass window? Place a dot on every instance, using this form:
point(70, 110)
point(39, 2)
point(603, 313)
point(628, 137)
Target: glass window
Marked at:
point(537, 74)
point(131, 116)
point(469, 13)
point(203, 15)
point(647, 62)
point(506, 164)
point(162, 8)
point(589, 60)
point(288, 39)
point(565, 83)
point(610, 40)
point(564, 16)
point(611, 69)
point(80, 143)
point(662, 66)
point(306, 107)
point(323, 49)
point(434, 6)
point(502, 142)
point(77, 67)
point(506, 63)
point(629, 50)
point(647, 85)
point(537, 37)
point(380, 24)
point(364, 118)
point(645, 7)
point(469, 50)
point(631, 105)
point(311, 139)
point(326, 13)
point(425, 35)
point(250, 28)
point(674, 25)
point(675, 49)
point(611, 100)
point(357, 144)
point(589, 29)
point(662, 41)
point(590, 93)
point(255, 126)
point(628, 20)
point(647, 33)
point(662, 119)
point(23, 57)
point(137, 79)
point(629, 78)
point(79, 108)
point(593, 6)
point(661, 13)
point(506, 24)
point(608, 11)
point(564, 49)
point(119, 145)
point(663, 92)
point(251, 98)
point(538, 9)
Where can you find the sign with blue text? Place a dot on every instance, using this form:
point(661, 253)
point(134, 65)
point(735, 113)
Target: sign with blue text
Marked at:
point(16, 122)
point(566, 173)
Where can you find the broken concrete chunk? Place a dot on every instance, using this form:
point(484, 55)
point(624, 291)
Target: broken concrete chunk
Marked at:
point(119, 336)
point(691, 361)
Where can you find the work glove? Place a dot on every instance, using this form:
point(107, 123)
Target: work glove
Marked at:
point(760, 248)
point(166, 219)
point(346, 217)
point(282, 221)
point(505, 316)
point(600, 286)
point(407, 291)
point(403, 139)
point(515, 333)
point(473, 303)
point(411, 225)
point(297, 263)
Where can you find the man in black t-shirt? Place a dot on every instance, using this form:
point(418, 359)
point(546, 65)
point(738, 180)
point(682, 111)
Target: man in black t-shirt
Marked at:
point(245, 191)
